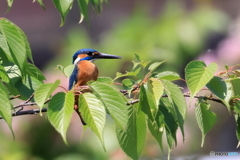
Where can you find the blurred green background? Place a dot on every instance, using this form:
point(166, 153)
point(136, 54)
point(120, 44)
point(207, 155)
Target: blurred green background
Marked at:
point(174, 31)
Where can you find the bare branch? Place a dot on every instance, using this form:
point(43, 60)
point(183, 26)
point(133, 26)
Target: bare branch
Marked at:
point(17, 96)
point(185, 95)
point(28, 112)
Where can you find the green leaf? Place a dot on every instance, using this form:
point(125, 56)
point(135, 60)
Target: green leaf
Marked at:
point(14, 75)
point(137, 62)
point(237, 119)
point(157, 89)
point(170, 122)
point(128, 74)
point(68, 70)
point(205, 118)
point(132, 139)
point(83, 5)
point(93, 113)
point(114, 102)
point(97, 4)
point(235, 86)
point(60, 67)
point(236, 105)
point(156, 128)
point(27, 87)
point(60, 110)
point(14, 43)
point(168, 75)
point(105, 80)
point(44, 91)
point(128, 83)
point(5, 106)
point(197, 75)
point(27, 45)
point(34, 72)
point(63, 7)
point(40, 2)
point(219, 87)
point(147, 101)
point(3, 75)
point(178, 102)
point(10, 2)
point(4, 47)
point(154, 66)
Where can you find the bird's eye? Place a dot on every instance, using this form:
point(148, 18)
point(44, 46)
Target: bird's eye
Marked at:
point(91, 53)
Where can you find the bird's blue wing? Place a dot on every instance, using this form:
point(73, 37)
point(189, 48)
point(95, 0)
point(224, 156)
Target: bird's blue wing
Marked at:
point(73, 78)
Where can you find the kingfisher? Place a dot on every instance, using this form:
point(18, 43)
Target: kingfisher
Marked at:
point(85, 70)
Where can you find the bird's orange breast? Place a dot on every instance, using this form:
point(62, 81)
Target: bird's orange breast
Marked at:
point(87, 71)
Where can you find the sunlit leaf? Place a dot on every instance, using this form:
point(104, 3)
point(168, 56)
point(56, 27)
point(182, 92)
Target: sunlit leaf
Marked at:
point(205, 118)
point(63, 7)
point(14, 75)
point(197, 75)
point(157, 89)
point(60, 110)
point(105, 80)
point(168, 75)
point(44, 91)
point(14, 43)
point(68, 70)
point(34, 72)
point(114, 102)
point(93, 113)
point(128, 74)
point(3, 75)
point(132, 139)
point(154, 66)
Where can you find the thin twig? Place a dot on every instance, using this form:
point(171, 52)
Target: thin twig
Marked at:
point(185, 95)
point(17, 96)
point(29, 99)
point(28, 112)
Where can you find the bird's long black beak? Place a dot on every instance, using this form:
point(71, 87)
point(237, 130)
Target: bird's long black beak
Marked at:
point(107, 56)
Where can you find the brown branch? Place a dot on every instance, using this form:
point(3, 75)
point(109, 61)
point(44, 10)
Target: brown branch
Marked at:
point(21, 112)
point(30, 104)
point(185, 95)
point(28, 112)
point(17, 96)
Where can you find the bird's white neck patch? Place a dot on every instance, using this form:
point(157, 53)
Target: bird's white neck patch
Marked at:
point(77, 60)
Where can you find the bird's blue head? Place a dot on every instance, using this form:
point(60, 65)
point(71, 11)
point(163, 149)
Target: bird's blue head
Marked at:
point(91, 55)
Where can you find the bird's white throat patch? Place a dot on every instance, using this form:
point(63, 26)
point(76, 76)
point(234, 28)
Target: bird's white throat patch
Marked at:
point(76, 60)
